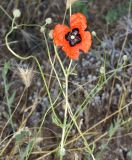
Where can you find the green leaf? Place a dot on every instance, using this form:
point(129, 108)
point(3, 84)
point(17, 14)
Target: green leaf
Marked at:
point(115, 13)
point(114, 127)
point(104, 146)
point(22, 135)
point(26, 151)
point(81, 7)
point(11, 99)
point(7, 86)
point(5, 69)
point(56, 121)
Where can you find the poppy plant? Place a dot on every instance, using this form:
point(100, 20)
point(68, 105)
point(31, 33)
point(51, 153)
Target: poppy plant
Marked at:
point(74, 38)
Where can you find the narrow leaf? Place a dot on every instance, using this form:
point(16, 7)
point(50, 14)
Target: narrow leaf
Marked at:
point(11, 99)
point(5, 69)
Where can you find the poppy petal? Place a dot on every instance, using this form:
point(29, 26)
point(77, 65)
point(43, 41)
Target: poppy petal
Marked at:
point(71, 52)
point(79, 21)
point(86, 41)
point(59, 34)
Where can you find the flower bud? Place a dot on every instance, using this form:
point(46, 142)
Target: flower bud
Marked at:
point(102, 70)
point(42, 29)
point(62, 151)
point(48, 20)
point(51, 34)
point(16, 13)
point(125, 58)
point(94, 33)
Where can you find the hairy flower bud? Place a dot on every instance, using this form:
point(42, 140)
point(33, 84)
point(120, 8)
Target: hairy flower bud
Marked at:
point(94, 33)
point(125, 58)
point(48, 20)
point(16, 13)
point(51, 34)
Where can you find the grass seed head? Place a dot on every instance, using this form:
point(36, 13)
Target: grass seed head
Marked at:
point(26, 75)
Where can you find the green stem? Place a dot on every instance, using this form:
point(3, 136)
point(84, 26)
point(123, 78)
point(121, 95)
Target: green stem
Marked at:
point(65, 117)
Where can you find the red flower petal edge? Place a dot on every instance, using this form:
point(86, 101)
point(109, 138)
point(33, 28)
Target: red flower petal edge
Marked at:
point(74, 38)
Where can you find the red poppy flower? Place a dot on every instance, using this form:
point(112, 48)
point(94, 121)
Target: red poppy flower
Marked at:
point(74, 38)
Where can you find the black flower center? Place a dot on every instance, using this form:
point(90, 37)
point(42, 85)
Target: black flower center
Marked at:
point(73, 37)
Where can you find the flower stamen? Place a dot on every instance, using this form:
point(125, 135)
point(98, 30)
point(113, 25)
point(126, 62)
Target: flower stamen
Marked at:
point(73, 37)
